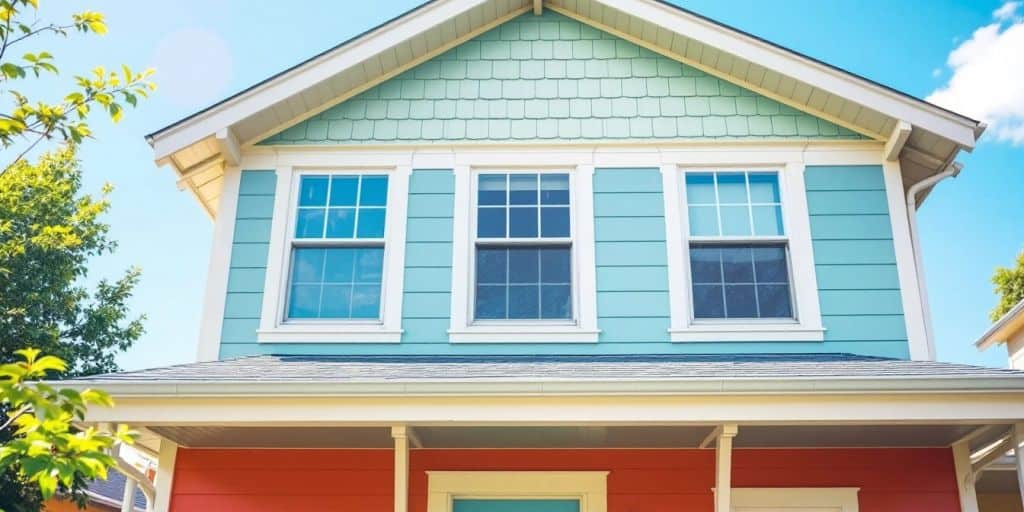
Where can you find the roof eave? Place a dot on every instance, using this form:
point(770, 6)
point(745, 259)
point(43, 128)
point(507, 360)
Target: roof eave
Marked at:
point(1006, 327)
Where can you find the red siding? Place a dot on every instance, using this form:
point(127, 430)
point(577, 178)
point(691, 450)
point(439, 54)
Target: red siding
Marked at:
point(905, 480)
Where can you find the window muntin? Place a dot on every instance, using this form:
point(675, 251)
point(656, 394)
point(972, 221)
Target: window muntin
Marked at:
point(738, 250)
point(337, 255)
point(523, 260)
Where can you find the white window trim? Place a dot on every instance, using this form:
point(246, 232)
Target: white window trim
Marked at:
point(843, 498)
point(273, 328)
point(584, 327)
point(589, 487)
point(806, 327)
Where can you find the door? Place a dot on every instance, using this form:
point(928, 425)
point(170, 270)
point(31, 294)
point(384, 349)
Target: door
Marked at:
point(513, 505)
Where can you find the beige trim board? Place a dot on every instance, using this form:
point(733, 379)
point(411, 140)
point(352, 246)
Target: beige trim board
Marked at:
point(590, 487)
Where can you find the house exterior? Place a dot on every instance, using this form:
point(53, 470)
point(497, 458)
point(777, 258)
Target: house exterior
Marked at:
point(565, 255)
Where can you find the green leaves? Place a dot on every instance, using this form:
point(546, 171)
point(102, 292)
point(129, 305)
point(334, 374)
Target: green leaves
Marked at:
point(45, 447)
point(1009, 286)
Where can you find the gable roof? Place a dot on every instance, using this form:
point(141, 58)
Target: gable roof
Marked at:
point(1003, 330)
point(926, 137)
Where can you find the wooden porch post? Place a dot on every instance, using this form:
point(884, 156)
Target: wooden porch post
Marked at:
point(128, 496)
point(723, 468)
point(965, 476)
point(401, 437)
point(1017, 434)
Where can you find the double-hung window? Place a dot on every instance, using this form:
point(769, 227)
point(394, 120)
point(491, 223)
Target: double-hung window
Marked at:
point(523, 249)
point(337, 249)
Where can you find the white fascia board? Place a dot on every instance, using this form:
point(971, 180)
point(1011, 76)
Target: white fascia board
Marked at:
point(916, 112)
point(995, 333)
point(224, 115)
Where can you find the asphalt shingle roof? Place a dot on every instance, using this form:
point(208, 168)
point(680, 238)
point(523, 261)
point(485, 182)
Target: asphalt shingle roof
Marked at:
point(300, 368)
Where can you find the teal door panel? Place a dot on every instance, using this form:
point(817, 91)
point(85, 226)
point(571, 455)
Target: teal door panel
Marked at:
point(516, 506)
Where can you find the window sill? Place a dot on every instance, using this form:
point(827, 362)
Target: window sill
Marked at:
point(536, 333)
point(330, 333)
point(747, 332)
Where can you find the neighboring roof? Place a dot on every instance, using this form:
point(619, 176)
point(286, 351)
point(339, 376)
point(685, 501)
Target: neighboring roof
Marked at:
point(275, 373)
point(198, 145)
point(111, 491)
point(1008, 326)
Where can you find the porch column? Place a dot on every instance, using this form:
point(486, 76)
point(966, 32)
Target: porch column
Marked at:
point(965, 476)
point(401, 437)
point(1017, 434)
point(723, 467)
point(128, 497)
point(165, 476)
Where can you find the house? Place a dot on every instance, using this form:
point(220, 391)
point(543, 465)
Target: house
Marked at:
point(103, 496)
point(565, 256)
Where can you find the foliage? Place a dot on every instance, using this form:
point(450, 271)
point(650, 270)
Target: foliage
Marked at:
point(46, 448)
point(48, 234)
point(31, 121)
point(1009, 287)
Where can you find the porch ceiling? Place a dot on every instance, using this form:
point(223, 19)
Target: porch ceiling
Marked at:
point(568, 437)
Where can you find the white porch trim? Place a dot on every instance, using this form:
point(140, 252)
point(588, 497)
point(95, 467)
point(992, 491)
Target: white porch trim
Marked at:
point(165, 475)
point(723, 467)
point(965, 476)
point(590, 487)
point(401, 437)
point(843, 498)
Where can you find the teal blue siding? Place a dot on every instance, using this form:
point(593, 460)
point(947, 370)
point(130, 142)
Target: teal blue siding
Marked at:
point(632, 267)
point(248, 262)
point(426, 302)
point(855, 259)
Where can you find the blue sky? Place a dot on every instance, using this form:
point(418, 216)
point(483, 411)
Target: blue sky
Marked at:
point(968, 225)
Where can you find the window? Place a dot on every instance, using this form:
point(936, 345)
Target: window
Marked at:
point(738, 263)
point(338, 248)
point(523, 247)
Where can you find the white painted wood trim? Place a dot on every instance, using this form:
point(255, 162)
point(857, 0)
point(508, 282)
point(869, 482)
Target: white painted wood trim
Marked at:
point(914, 312)
point(843, 498)
point(1017, 434)
point(964, 477)
point(400, 434)
point(215, 296)
point(590, 487)
point(461, 253)
point(896, 141)
point(272, 328)
point(723, 467)
point(165, 475)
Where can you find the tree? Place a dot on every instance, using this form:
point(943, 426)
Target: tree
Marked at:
point(32, 121)
point(1009, 287)
point(44, 448)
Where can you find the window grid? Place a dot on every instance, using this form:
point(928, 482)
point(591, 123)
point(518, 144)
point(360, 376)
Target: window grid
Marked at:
point(749, 204)
point(327, 208)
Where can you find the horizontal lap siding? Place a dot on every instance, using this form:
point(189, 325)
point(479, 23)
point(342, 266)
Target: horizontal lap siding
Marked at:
point(248, 263)
point(858, 284)
point(428, 257)
point(890, 480)
point(632, 271)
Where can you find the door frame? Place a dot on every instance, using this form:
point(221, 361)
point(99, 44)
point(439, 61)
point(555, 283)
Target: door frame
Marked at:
point(843, 497)
point(589, 487)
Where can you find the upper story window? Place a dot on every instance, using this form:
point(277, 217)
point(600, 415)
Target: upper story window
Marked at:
point(738, 249)
point(338, 248)
point(523, 247)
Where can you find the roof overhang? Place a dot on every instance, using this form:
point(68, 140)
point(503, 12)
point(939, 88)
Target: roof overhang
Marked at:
point(923, 137)
point(1008, 327)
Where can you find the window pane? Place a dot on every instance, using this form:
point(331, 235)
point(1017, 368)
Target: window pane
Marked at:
point(490, 302)
point(735, 220)
point(706, 264)
point(313, 191)
point(338, 264)
point(707, 301)
point(524, 301)
point(556, 301)
point(738, 264)
point(492, 189)
point(304, 301)
point(490, 222)
point(491, 265)
point(774, 301)
point(770, 264)
point(307, 265)
point(371, 223)
point(309, 223)
point(524, 265)
point(369, 265)
point(340, 222)
point(732, 188)
point(374, 191)
point(522, 189)
point(343, 190)
point(554, 189)
point(768, 220)
point(740, 301)
point(366, 301)
point(555, 265)
point(337, 301)
point(522, 222)
point(554, 222)
point(703, 221)
point(700, 188)
point(764, 187)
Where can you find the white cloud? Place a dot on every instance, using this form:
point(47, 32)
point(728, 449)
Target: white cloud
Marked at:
point(193, 66)
point(987, 76)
